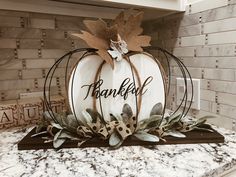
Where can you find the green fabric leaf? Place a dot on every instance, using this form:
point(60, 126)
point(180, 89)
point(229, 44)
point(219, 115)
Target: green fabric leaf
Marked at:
point(81, 142)
point(56, 125)
point(48, 116)
point(117, 116)
point(94, 115)
point(57, 142)
point(208, 126)
point(115, 139)
point(202, 120)
point(58, 117)
point(86, 116)
point(118, 145)
point(39, 134)
point(127, 110)
point(174, 134)
point(203, 129)
point(68, 135)
point(40, 127)
point(157, 109)
point(207, 117)
point(70, 123)
point(173, 119)
point(151, 122)
point(113, 118)
point(144, 136)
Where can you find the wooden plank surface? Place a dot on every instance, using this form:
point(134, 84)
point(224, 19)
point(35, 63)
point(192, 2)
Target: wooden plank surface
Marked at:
point(193, 137)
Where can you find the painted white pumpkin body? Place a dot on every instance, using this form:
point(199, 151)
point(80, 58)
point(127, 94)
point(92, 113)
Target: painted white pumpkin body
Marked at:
point(85, 72)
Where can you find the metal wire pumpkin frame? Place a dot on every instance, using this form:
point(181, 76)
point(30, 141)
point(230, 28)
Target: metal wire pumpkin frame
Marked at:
point(184, 71)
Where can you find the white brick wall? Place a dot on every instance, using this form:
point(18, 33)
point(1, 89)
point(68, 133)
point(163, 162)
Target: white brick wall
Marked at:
point(32, 42)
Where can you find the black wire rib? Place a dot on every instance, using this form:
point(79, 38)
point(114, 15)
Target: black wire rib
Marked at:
point(100, 101)
point(72, 87)
point(52, 69)
point(183, 69)
point(166, 94)
point(169, 75)
point(136, 99)
point(68, 56)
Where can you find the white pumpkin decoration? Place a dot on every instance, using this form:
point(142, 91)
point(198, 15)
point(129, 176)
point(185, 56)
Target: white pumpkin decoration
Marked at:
point(115, 78)
point(85, 72)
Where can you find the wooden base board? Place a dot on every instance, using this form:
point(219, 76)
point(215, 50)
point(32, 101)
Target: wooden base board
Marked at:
point(193, 137)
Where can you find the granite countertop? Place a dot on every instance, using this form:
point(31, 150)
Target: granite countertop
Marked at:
point(190, 160)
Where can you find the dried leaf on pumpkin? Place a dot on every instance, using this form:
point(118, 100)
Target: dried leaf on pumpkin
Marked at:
point(100, 35)
point(130, 31)
point(99, 38)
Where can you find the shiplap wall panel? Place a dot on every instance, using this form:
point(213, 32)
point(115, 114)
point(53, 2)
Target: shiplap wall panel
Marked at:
point(219, 74)
point(219, 13)
point(187, 51)
point(193, 40)
point(220, 25)
point(216, 50)
point(205, 105)
point(191, 30)
point(206, 5)
point(222, 37)
point(207, 46)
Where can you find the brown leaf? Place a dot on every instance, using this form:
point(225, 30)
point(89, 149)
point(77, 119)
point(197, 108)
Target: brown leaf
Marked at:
point(133, 25)
point(101, 36)
point(137, 42)
point(111, 34)
point(120, 19)
point(130, 30)
point(97, 43)
point(98, 27)
point(104, 55)
point(120, 22)
point(93, 41)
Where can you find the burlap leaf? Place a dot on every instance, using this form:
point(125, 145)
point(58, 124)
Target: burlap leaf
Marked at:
point(83, 131)
point(135, 43)
point(123, 130)
point(103, 133)
point(95, 126)
point(98, 43)
point(97, 27)
point(130, 29)
point(131, 123)
point(101, 35)
point(100, 29)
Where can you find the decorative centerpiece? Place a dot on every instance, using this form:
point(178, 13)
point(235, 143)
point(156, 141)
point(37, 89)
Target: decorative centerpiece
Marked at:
point(116, 94)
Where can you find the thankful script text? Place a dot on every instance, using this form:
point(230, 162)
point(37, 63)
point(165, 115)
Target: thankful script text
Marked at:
point(126, 87)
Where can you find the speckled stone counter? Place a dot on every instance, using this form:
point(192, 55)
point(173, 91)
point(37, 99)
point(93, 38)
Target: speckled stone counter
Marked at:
point(195, 160)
